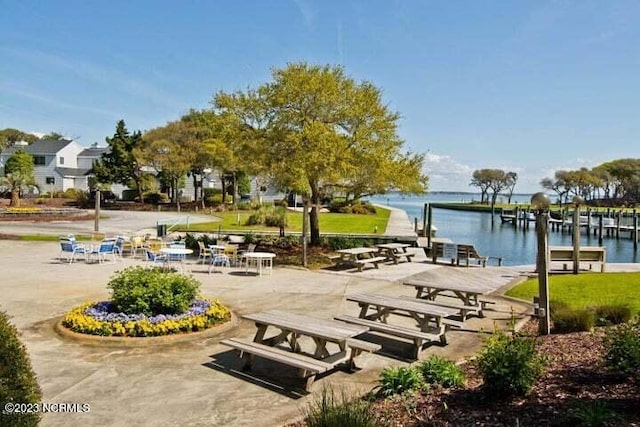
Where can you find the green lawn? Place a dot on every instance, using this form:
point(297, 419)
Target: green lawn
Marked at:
point(329, 223)
point(587, 289)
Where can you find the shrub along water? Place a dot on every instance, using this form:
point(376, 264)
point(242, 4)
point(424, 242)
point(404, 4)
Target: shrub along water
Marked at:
point(18, 383)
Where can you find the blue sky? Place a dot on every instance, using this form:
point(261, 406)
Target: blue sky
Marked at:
point(526, 86)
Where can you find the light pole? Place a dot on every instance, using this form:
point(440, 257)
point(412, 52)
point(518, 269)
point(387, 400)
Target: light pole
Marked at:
point(540, 204)
point(577, 201)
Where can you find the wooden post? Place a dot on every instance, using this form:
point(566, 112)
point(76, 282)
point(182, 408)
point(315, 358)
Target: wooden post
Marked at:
point(618, 221)
point(635, 230)
point(96, 222)
point(429, 223)
point(517, 217)
point(576, 240)
point(600, 226)
point(542, 263)
point(424, 220)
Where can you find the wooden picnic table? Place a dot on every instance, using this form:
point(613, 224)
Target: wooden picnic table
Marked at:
point(358, 257)
point(395, 251)
point(431, 319)
point(468, 294)
point(290, 327)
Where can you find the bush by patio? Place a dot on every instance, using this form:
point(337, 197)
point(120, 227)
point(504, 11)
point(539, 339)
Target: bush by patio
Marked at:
point(510, 364)
point(18, 383)
point(138, 290)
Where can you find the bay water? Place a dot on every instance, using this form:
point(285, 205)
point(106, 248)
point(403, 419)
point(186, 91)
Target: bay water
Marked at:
point(493, 238)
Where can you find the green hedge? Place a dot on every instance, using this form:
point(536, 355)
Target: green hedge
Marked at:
point(18, 383)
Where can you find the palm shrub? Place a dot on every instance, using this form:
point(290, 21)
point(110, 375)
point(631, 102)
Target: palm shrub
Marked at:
point(612, 314)
point(441, 371)
point(399, 380)
point(622, 348)
point(509, 364)
point(333, 409)
point(568, 320)
point(138, 290)
point(18, 383)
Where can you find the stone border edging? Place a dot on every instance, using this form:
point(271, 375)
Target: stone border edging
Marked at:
point(133, 342)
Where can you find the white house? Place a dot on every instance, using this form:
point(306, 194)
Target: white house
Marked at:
point(58, 164)
point(63, 164)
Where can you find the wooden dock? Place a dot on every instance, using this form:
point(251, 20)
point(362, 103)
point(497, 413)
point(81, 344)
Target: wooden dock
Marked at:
point(609, 223)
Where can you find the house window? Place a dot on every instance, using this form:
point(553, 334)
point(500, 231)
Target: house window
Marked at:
point(38, 160)
point(51, 180)
point(62, 160)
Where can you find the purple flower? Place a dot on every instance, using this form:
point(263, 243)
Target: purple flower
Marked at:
point(102, 311)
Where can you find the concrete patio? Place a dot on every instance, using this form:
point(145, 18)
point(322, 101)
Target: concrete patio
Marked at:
point(196, 383)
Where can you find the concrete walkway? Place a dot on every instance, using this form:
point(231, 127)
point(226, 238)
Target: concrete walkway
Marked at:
point(197, 383)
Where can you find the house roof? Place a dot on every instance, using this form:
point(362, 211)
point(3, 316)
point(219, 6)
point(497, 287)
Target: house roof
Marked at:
point(93, 152)
point(72, 171)
point(41, 147)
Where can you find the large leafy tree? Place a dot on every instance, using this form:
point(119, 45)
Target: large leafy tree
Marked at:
point(123, 163)
point(168, 150)
point(10, 136)
point(313, 127)
point(18, 172)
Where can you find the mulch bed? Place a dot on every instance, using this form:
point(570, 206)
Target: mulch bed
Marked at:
point(575, 376)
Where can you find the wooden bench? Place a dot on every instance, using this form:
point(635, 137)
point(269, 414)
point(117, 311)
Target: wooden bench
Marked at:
point(308, 367)
point(464, 309)
point(418, 337)
point(464, 252)
point(586, 253)
point(375, 261)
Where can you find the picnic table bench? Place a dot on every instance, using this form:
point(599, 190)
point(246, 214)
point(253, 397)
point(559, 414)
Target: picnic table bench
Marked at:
point(431, 319)
point(470, 295)
point(284, 347)
point(358, 257)
point(395, 251)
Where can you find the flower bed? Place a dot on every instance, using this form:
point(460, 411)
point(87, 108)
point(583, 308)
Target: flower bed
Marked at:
point(97, 319)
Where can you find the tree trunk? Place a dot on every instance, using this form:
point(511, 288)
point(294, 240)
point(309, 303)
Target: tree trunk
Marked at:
point(15, 198)
point(139, 188)
point(314, 221)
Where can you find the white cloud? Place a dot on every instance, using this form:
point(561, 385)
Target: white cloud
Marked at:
point(305, 9)
point(447, 174)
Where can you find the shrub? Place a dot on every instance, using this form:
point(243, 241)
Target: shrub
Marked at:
point(18, 383)
point(352, 207)
point(257, 218)
point(339, 242)
point(129, 195)
point(276, 217)
point(622, 348)
point(250, 237)
point(590, 414)
point(71, 193)
point(612, 314)
point(138, 290)
point(567, 321)
point(441, 371)
point(269, 216)
point(244, 206)
point(155, 198)
point(509, 365)
point(399, 380)
point(338, 410)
